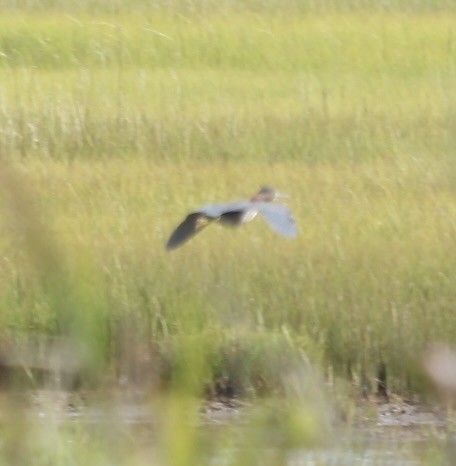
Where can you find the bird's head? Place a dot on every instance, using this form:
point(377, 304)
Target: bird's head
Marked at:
point(268, 194)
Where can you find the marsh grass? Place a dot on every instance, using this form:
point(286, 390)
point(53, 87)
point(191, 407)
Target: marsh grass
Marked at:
point(122, 123)
point(368, 277)
point(114, 125)
point(227, 87)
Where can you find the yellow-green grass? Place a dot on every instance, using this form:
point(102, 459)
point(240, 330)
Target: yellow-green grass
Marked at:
point(241, 86)
point(204, 7)
point(119, 124)
point(369, 278)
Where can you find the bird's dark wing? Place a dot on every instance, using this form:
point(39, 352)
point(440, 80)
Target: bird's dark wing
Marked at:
point(278, 217)
point(229, 214)
point(192, 225)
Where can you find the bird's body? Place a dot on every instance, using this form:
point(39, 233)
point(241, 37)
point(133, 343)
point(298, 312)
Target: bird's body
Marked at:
point(236, 213)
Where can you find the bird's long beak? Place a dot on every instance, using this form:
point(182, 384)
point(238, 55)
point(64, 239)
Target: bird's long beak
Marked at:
point(279, 195)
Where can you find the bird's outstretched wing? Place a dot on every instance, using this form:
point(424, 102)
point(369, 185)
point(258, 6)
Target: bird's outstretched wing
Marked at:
point(278, 217)
point(192, 225)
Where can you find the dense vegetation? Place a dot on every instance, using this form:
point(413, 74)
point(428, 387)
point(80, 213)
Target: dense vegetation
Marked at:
point(116, 121)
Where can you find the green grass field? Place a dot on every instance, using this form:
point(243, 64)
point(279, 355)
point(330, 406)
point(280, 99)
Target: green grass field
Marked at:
point(115, 122)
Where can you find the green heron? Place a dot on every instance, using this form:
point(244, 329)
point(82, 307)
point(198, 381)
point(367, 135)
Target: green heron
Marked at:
point(236, 213)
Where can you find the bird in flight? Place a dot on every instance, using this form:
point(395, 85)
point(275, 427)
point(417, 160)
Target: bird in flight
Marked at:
point(277, 216)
